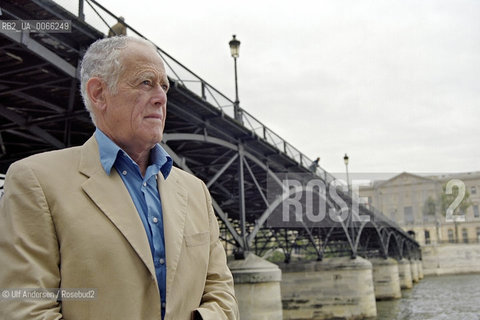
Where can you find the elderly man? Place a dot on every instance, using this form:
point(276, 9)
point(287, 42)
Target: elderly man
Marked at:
point(114, 215)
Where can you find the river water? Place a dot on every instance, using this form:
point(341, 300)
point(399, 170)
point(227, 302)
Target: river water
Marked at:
point(450, 297)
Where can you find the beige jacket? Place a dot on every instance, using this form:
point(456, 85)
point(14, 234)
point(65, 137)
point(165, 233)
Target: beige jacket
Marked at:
point(65, 223)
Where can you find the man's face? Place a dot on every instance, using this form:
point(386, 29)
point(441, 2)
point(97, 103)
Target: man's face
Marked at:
point(134, 117)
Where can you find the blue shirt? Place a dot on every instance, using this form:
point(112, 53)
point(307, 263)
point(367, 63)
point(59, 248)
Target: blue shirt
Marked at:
point(145, 196)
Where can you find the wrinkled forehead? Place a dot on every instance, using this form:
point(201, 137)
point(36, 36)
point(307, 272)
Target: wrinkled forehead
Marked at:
point(137, 55)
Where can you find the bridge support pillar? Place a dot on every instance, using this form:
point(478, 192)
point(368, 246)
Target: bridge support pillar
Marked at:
point(257, 288)
point(420, 269)
point(414, 269)
point(405, 274)
point(334, 288)
point(386, 280)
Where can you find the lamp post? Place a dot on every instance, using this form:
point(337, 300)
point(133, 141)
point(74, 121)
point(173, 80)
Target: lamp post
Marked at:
point(234, 50)
point(350, 207)
point(345, 159)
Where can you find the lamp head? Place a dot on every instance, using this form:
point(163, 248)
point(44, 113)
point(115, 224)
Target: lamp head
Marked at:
point(234, 47)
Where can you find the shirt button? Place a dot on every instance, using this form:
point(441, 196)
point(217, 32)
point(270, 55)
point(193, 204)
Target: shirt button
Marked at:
point(162, 261)
point(155, 220)
point(144, 184)
point(163, 305)
point(124, 172)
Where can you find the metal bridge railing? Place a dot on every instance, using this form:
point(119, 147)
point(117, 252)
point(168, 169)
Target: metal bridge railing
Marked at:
point(102, 19)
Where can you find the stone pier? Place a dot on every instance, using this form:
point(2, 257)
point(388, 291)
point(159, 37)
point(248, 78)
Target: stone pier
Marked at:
point(334, 288)
point(420, 269)
point(405, 274)
point(257, 288)
point(386, 279)
point(414, 269)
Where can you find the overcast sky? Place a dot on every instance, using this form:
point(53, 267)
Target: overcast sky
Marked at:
point(394, 84)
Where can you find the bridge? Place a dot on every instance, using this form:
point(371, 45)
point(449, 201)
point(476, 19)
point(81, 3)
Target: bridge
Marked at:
point(248, 168)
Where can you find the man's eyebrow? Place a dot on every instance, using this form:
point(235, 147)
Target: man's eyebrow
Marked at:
point(142, 75)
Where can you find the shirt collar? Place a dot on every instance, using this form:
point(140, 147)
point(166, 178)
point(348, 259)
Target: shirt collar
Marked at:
point(109, 152)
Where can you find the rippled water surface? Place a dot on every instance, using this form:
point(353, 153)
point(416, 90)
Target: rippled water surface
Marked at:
point(452, 297)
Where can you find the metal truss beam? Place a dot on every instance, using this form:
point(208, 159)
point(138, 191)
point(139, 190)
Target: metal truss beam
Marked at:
point(361, 229)
point(15, 117)
point(198, 137)
point(222, 170)
point(255, 181)
point(78, 114)
point(33, 86)
point(24, 39)
point(38, 101)
point(241, 200)
point(25, 135)
point(21, 70)
point(2, 145)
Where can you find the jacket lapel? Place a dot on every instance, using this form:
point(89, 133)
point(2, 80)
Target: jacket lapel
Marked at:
point(174, 208)
point(112, 197)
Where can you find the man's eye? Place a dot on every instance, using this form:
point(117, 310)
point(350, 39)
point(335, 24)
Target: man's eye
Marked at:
point(165, 87)
point(147, 82)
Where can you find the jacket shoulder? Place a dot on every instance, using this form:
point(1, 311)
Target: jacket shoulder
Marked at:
point(50, 160)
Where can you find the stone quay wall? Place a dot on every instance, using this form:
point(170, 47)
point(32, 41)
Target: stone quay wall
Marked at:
point(451, 258)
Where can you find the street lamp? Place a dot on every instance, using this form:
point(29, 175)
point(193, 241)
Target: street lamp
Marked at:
point(234, 50)
point(345, 159)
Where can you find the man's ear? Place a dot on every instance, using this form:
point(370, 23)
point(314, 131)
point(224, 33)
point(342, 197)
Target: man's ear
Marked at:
point(96, 91)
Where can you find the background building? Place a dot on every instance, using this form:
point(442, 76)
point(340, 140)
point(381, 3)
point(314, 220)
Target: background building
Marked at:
point(414, 202)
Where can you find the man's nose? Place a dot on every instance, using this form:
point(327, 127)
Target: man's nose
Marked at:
point(159, 95)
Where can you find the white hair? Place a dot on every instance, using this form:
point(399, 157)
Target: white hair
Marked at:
point(102, 60)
